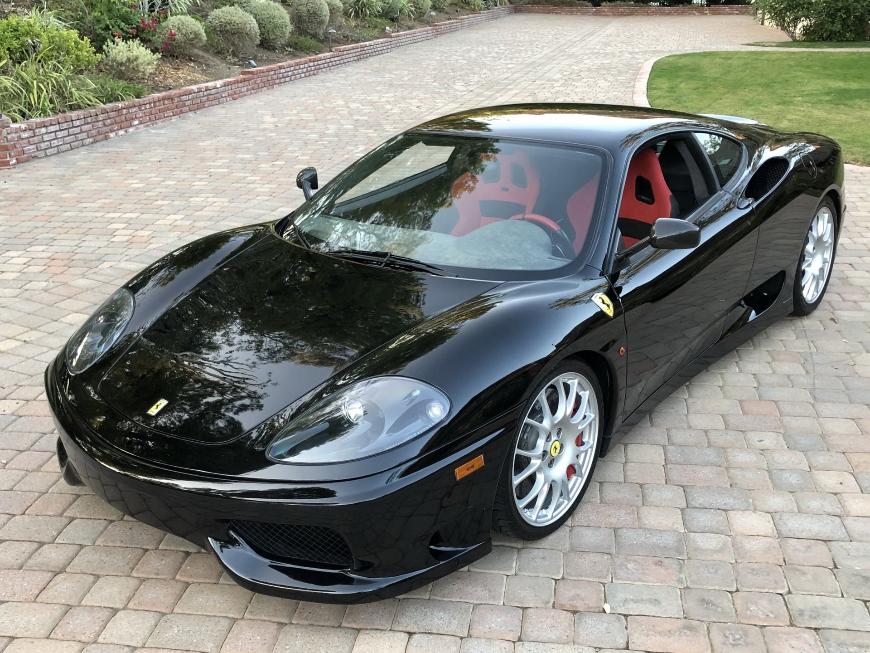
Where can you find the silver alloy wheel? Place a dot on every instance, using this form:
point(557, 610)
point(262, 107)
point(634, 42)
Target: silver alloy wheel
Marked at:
point(818, 255)
point(555, 449)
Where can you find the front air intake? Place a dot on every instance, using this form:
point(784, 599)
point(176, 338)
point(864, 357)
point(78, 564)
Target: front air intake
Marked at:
point(312, 545)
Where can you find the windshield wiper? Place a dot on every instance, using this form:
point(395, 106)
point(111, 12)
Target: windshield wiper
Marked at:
point(301, 237)
point(385, 259)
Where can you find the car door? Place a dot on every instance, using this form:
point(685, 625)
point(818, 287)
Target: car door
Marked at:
point(675, 302)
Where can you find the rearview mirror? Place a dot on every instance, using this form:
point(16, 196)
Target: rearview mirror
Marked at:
point(672, 233)
point(307, 181)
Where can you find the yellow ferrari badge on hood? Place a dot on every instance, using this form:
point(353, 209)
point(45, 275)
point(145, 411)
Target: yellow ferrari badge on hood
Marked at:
point(159, 405)
point(603, 302)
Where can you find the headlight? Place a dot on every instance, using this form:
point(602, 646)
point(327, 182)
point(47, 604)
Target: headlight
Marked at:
point(100, 332)
point(363, 419)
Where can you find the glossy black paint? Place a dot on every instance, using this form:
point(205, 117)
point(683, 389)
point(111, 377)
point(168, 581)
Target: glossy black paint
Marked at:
point(242, 329)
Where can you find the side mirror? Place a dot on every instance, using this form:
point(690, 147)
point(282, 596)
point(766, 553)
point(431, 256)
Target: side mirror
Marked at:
point(672, 233)
point(307, 181)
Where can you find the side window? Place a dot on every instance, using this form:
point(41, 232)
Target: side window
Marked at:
point(723, 153)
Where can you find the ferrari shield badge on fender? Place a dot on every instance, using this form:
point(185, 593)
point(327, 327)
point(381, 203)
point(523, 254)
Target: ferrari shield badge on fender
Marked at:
point(603, 302)
point(159, 405)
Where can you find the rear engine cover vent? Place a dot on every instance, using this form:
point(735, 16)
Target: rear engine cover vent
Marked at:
point(766, 178)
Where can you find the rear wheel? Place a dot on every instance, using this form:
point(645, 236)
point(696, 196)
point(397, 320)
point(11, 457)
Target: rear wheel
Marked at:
point(816, 259)
point(553, 454)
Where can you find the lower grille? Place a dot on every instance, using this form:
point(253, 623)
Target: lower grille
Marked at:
point(312, 544)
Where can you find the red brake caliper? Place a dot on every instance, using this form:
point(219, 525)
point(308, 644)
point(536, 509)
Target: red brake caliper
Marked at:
point(570, 471)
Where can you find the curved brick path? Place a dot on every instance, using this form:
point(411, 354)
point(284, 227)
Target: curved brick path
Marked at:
point(737, 518)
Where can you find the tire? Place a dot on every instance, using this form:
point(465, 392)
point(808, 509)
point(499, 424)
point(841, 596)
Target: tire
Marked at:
point(579, 445)
point(808, 294)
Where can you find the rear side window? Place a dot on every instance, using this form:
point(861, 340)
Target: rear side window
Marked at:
point(723, 153)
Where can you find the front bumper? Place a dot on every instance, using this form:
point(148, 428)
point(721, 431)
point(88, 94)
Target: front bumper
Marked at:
point(403, 531)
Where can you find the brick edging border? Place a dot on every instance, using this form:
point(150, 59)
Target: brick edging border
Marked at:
point(41, 137)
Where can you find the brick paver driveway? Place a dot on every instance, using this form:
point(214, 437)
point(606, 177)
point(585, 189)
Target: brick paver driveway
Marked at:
point(737, 517)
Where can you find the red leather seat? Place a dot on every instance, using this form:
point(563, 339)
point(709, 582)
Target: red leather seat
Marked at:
point(580, 208)
point(646, 196)
point(516, 183)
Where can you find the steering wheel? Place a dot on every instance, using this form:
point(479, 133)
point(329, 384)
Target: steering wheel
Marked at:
point(558, 238)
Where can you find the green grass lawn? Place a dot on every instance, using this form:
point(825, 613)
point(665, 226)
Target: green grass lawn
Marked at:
point(815, 45)
point(828, 93)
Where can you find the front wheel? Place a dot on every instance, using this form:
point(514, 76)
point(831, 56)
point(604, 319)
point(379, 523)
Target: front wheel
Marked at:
point(816, 259)
point(553, 454)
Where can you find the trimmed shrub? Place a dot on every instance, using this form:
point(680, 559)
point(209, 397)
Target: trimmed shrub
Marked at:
point(231, 30)
point(421, 7)
point(101, 20)
point(474, 5)
point(362, 9)
point(838, 20)
point(819, 20)
point(129, 60)
point(336, 12)
point(310, 17)
point(189, 34)
point(23, 37)
point(305, 44)
point(273, 22)
point(395, 9)
point(440, 5)
point(108, 89)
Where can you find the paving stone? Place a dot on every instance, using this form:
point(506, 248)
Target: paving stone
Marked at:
point(667, 635)
point(707, 605)
point(811, 580)
point(529, 591)
point(736, 638)
point(474, 645)
point(547, 625)
point(111, 591)
point(423, 643)
point(789, 640)
point(843, 641)
point(806, 552)
point(156, 594)
point(191, 632)
point(130, 627)
point(600, 630)
point(496, 622)
point(82, 624)
point(317, 614)
point(639, 541)
point(827, 612)
point(710, 574)
point(540, 562)
point(647, 570)
point(260, 636)
point(704, 520)
point(760, 608)
point(371, 641)
point(295, 638)
point(29, 619)
point(579, 595)
point(378, 615)
point(593, 539)
point(648, 600)
point(709, 546)
point(22, 585)
point(439, 617)
point(587, 566)
point(811, 527)
point(760, 577)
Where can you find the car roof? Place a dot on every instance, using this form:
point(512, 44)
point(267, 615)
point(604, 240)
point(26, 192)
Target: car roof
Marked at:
point(609, 126)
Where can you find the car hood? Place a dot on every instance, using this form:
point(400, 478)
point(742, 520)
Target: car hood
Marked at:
point(262, 330)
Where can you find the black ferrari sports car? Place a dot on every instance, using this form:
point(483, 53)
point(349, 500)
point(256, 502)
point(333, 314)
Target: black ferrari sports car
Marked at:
point(442, 340)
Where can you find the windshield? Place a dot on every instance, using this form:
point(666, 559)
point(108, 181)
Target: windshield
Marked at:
point(457, 202)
